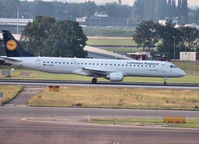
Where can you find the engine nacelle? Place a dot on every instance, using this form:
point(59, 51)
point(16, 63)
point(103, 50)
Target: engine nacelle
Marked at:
point(115, 77)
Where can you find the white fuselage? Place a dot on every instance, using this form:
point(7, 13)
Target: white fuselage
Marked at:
point(93, 67)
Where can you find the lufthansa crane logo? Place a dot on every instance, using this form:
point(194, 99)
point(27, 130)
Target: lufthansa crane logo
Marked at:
point(11, 45)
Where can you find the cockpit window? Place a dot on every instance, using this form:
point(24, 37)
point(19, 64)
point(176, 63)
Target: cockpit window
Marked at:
point(173, 66)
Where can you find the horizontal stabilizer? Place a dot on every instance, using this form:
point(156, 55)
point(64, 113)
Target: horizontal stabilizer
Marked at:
point(4, 58)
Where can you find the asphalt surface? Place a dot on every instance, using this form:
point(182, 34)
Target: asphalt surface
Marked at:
point(99, 84)
point(26, 94)
point(20, 124)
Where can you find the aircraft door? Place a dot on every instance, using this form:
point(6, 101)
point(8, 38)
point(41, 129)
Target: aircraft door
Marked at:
point(38, 63)
point(163, 68)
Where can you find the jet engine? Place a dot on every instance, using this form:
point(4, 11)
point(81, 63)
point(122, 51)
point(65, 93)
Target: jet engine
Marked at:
point(115, 77)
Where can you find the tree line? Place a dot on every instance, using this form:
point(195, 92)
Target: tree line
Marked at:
point(46, 36)
point(61, 10)
point(141, 10)
point(168, 38)
point(160, 9)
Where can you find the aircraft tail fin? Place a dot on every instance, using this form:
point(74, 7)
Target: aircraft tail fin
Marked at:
point(13, 47)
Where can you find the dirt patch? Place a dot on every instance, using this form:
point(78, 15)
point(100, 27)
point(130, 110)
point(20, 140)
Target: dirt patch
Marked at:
point(25, 73)
point(27, 92)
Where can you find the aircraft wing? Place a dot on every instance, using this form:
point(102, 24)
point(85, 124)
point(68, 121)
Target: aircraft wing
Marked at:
point(4, 58)
point(95, 72)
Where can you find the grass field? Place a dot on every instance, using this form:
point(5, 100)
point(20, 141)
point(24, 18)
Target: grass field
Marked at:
point(188, 67)
point(125, 50)
point(110, 42)
point(190, 123)
point(109, 31)
point(31, 74)
point(122, 50)
point(9, 92)
point(106, 97)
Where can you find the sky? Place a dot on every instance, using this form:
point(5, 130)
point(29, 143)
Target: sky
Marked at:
point(130, 2)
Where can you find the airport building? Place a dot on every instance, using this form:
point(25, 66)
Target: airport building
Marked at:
point(13, 24)
point(189, 56)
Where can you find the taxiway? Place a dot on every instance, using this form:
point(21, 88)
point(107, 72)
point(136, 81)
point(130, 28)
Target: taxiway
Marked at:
point(99, 84)
point(20, 124)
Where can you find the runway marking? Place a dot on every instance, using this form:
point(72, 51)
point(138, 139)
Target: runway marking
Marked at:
point(149, 129)
point(101, 85)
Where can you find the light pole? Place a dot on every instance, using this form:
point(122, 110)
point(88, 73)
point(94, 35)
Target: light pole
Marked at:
point(17, 19)
point(174, 47)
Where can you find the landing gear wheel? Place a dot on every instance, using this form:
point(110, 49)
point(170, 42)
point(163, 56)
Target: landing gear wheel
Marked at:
point(94, 81)
point(165, 81)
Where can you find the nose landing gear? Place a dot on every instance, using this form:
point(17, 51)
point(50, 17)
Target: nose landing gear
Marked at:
point(94, 81)
point(165, 81)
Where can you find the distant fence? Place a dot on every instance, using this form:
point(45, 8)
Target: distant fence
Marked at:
point(188, 66)
point(104, 21)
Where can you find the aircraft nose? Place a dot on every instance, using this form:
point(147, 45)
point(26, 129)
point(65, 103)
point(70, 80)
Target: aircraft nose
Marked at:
point(182, 73)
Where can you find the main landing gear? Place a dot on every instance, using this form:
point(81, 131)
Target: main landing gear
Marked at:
point(94, 80)
point(165, 81)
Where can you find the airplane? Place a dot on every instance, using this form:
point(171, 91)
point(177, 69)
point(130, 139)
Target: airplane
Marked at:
point(111, 69)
